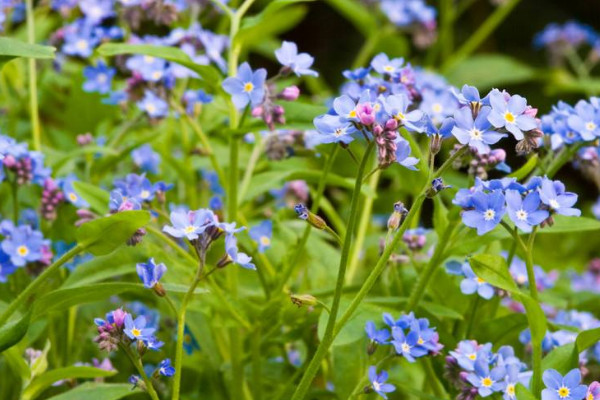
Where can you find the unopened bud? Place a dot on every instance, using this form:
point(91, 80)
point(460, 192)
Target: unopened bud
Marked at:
point(311, 218)
point(159, 289)
point(290, 93)
point(303, 300)
point(397, 216)
point(437, 185)
point(436, 144)
point(257, 111)
point(224, 261)
point(391, 124)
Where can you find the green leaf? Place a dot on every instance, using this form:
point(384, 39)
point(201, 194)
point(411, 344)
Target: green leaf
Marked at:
point(562, 359)
point(104, 235)
point(587, 339)
point(440, 216)
point(210, 76)
point(98, 391)
point(12, 332)
point(44, 381)
point(523, 393)
point(563, 224)
point(493, 269)
point(12, 48)
point(489, 70)
point(522, 172)
point(273, 20)
point(96, 197)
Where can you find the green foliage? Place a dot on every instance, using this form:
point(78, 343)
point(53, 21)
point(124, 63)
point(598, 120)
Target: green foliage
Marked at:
point(486, 71)
point(105, 234)
point(12, 48)
point(45, 380)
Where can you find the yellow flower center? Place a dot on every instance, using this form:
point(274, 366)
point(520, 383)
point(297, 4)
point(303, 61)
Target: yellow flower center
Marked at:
point(150, 108)
point(352, 114)
point(510, 390)
point(479, 280)
point(388, 68)
point(509, 117)
point(590, 126)
point(472, 356)
point(265, 241)
point(73, 197)
point(22, 250)
point(563, 392)
point(436, 108)
point(81, 44)
point(189, 229)
point(148, 59)
point(420, 341)
point(136, 332)
point(145, 194)
point(400, 116)
point(486, 382)
point(248, 87)
point(590, 396)
point(157, 75)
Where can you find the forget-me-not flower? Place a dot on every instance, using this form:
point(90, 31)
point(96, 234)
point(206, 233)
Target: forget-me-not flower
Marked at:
point(299, 63)
point(247, 87)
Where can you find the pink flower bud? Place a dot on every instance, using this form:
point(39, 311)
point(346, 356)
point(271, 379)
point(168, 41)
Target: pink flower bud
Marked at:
point(391, 124)
point(9, 161)
point(530, 111)
point(290, 93)
point(257, 111)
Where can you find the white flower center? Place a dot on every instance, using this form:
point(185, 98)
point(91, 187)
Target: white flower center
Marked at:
point(510, 390)
point(148, 59)
point(522, 215)
point(376, 386)
point(554, 204)
point(145, 194)
point(265, 241)
point(590, 126)
point(436, 108)
point(102, 78)
point(150, 108)
point(476, 134)
point(81, 44)
point(489, 214)
point(73, 197)
point(338, 132)
point(405, 347)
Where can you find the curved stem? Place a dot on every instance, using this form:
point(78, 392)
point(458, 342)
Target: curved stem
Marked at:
point(35, 285)
point(256, 151)
point(368, 284)
point(314, 364)
point(140, 369)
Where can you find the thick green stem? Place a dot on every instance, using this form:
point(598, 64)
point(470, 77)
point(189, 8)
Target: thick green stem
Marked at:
point(39, 281)
point(181, 329)
point(314, 364)
point(33, 96)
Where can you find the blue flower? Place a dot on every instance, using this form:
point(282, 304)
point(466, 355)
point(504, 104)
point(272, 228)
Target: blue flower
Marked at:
point(378, 382)
point(153, 343)
point(468, 352)
point(382, 64)
point(408, 345)
point(66, 185)
point(486, 381)
point(165, 368)
point(24, 245)
point(488, 211)
point(146, 159)
point(136, 330)
point(80, 44)
point(472, 283)
point(262, 234)
point(246, 87)
point(525, 213)
point(96, 10)
point(396, 106)
point(510, 114)
point(6, 266)
point(334, 129)
point(345, 107)
point(403, 154)
point(150, 273)
point(235, 256)
point(476, 133)
point(552, 194)
point(150, 68)
point(381, 336)
point(189, 341)
point(190, 224)
point(119, 202)
point(585, 120)
point(299, 63)
point(98, 78)
point(563, 388)
point(153, 105)
point(468, 96)
point(193, 98)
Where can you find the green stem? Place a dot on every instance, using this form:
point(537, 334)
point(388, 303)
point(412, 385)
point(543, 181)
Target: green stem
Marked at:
point(140, 369)
point(256, 152)
point(481, 34)
point(438, 388)
point(39, 281)
point(15, 200)
point(329, 329)
point(363, 225)
point(33, 96)
point(576, 62)
point(471, 316)
point(368, 284)
point(181, 328)
point(425, 276)
point(314, 209)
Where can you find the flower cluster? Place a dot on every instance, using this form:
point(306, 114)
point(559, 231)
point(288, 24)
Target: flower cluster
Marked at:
point(413, 15)
point(133, 191)
point(20, 165)
point(559, 40)
point(475, 370)
point(202, 227)
point(566, 125)
point(411, 337)
point(527, 205)
point(21, 245)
